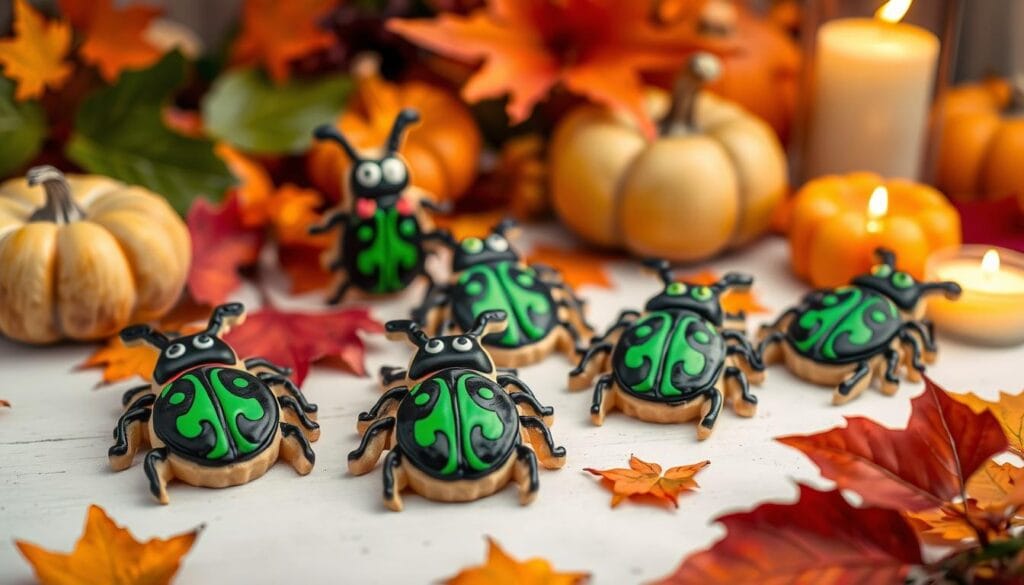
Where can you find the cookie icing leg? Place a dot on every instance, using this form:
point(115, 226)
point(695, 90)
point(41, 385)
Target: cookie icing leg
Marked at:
point(891, 382)
point(743, 402)
point(915, 367)
point(132, 394)
point(259, 362)
point(386, 403)
point(339, 293)
point(582, 376)
point(296, 450)
point(129, 434)
point(853, 385)
point(709, 414)
point(375, 440)
point(294, 415)
point(526, 474)
point(394, 480)
point(158, 471)
point(551, 457)
point(603, 400)
point(290, 387)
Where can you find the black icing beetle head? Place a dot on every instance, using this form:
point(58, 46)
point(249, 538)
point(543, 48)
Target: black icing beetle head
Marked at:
point(901, 287)
point(382, 178)
point(185, 353)
point(705, 300)
point(449, 351)
point(494, 248)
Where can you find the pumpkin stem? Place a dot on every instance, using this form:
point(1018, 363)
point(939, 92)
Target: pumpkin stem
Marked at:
point(60, 206)
point(700, 69)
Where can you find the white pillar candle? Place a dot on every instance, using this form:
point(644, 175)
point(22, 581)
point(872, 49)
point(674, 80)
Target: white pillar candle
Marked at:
point(872, 93)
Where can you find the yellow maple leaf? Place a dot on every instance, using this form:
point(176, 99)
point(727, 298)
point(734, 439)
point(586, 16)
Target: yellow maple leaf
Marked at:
point(120, 362)
point(107, 553)
point(34, 57)
point(1008, 409)
point(501, 569)
point(646, 479)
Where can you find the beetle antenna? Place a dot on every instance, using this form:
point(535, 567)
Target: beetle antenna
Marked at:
point(221, 313)
point(951, 289)
point(886, 256)
point(733, 279)
point(133, 334)
point(662, 267)
point(483, 319)
point(410, 328)
point(504, 226)
point(404, 118)
point(329, 132)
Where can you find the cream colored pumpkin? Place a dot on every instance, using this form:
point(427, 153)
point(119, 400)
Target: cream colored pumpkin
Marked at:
point(707, 183)
point(82, 256)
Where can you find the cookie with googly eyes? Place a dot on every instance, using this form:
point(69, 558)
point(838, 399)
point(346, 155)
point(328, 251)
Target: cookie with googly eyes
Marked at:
point(385, 234)
point(456, 429)
point(544, 313)
point(209, 418)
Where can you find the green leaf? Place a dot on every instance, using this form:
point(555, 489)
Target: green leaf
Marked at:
point(22, 129)
point(119, 132)
point(247, 110)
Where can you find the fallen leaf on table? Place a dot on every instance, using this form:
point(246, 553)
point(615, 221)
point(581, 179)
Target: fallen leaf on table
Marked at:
point(820, 538)
point(34, 57)
point(594, 48)
point(304, 269)
point(733, 301)
point(221, 245)
point(5, 404)
point(467, 225)
point(275, 33)
point(120, 362)
point(295, 340)
point(501, 569)
point(646, 479)
point(1008, 410)
point(913, 469)
point(995, 223)
point(578, 267)
point(107, 553)
point(114, 37)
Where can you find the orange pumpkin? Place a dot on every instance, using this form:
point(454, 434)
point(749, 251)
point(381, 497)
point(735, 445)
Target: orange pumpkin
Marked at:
point(442, 150)
point(710, 181)
point(832, 239)
point(980, 149)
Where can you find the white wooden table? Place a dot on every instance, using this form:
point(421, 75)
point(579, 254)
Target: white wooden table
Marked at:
point(332, 527)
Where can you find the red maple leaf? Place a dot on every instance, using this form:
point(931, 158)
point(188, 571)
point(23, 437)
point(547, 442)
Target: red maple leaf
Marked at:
point(912, 469)
point(296, 340)
point(221, 244)
point(820, 538)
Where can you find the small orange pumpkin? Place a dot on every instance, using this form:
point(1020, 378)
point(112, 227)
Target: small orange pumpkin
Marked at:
point(442, 150)
point(980, 149)
point(82, 256)
point(709, 182)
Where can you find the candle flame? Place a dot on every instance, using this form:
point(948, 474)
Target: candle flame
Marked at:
point(990, 262)
point(893, 10)
point(878, 207)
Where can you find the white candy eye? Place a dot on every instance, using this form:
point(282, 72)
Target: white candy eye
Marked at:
point(175, 351)
point(434, 346)
point(368, 174)
point(497, 243)
point(202, 342)
point(394, 170)
point(462, 344)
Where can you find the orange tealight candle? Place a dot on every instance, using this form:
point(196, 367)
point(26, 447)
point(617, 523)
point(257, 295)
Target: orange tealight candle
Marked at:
point(838, 221)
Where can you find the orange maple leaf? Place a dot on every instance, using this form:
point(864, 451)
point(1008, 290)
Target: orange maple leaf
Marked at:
point(645, 479)
point(34, 57)
point(466, 225)
point(594, 48)
point(733, 301)
point(578, 266)
point(114, 39)
point(292, 211)
point(1008, 410)
point(120, 362)
point(5, 404)
point(275, 33)
point(107, 553)
point(501, 568)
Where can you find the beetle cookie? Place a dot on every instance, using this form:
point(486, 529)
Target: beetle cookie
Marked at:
point(676, 360)
point(544, 313)
point(456, 428)
point(849, 336)
point(383, 226)
point(210, 419)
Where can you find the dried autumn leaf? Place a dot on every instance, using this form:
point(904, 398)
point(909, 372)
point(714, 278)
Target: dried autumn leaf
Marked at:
point(221, 244)
point(917, 468)
point(114, 37)
point(5, 404)
point(500, 568)
point(304, 269)
point(276, 33)
point(34, 57)
point(645, 479)
point(1008, 410)
point(120, 362)
point(291, 211)
point(296, 340)
point(594, 48)
point(107, 553)
point(578, 267)
point(820, 538)
point(465, 225)
point(254, 188)
point(733, 301)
